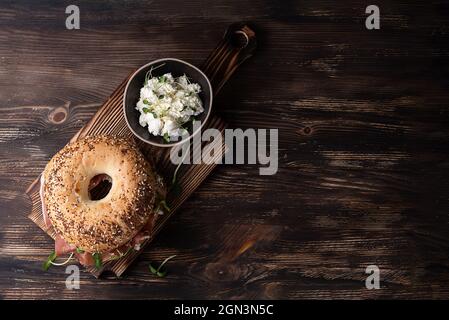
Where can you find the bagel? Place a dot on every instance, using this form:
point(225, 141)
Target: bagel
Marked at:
point(98, 226)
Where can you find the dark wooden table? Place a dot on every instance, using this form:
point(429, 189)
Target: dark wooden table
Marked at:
point(363, 151)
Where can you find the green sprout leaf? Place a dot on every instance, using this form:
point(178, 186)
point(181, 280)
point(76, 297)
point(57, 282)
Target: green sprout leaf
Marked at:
point(161, 274)
point(49, 260)
point(160, 271)
point(152, 269)
point(116, 257)
point(97, 259)
point(166, 137)
point(147, 110)
point(161, 204)
point(164, 205)
point(79, 250)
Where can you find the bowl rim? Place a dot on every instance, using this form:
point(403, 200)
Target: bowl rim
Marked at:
point(193, 133)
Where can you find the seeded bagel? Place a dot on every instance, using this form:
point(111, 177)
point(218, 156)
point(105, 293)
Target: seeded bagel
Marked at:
point(106, 224)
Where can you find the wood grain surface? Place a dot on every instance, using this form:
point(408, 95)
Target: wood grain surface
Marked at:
point(363, 123)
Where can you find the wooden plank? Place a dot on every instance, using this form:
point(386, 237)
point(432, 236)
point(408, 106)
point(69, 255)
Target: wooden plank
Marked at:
point(363, 146)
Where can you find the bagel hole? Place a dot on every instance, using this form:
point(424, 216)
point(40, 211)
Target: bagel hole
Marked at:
point(99, 186)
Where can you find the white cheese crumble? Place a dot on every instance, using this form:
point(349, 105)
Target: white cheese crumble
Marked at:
point(167, 103)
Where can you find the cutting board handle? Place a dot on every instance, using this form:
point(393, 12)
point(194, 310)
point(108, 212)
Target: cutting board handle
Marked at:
point(237, 45)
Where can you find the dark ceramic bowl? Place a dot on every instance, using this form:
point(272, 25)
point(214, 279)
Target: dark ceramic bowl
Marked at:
point(177, 68)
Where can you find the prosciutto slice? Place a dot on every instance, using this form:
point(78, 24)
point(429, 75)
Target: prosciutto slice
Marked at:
point(44, 208)
point(85, 258)
point(62, 247)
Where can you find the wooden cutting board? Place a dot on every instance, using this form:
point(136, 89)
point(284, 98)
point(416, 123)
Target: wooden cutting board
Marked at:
point(236, 46)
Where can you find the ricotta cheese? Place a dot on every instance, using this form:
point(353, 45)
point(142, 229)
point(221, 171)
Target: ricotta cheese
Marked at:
point(167, 103)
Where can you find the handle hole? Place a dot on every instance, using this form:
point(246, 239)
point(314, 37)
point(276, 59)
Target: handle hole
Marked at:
point(239, 39)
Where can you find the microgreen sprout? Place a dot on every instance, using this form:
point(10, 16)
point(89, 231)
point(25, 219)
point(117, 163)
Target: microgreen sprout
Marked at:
point(63, 263)
point(166, 137)
point(97, 259)
point(149, 75)
point(160, 271)
point(50, 259)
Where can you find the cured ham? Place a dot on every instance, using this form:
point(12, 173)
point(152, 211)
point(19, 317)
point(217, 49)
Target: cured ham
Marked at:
point(44, 209)
point(85, 258)
point(62, 247)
